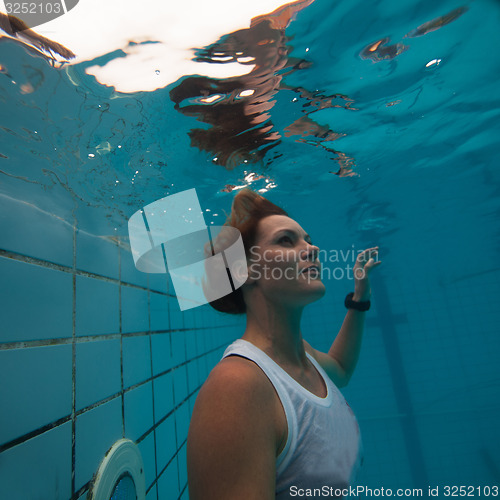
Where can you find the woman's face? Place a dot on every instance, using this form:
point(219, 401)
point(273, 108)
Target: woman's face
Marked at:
point(278, 261)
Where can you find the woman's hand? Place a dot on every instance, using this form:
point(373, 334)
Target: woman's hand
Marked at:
point(365, 262)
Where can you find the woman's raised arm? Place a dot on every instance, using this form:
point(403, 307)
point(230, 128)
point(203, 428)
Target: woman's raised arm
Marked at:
point(343, 355)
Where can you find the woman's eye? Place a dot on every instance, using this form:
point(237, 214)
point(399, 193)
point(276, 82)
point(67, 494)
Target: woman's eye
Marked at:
point(285, 238)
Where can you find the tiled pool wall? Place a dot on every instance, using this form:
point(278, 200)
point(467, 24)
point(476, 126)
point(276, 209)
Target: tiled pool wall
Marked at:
point(426, 387)
point(91, 351)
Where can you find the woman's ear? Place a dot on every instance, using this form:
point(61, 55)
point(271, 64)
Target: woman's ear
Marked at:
point(240, 272)
point(245, 272)
point(253, 272)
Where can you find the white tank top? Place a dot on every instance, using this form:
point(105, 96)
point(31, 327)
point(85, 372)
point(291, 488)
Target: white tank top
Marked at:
point(323, 447)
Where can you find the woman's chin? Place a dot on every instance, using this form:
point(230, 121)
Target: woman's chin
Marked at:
point(316, 290)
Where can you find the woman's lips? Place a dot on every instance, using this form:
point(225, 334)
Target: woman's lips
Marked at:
point(310, 269)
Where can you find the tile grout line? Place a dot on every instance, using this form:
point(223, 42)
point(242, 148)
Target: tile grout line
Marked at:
point(66, 269)
point(22, 344)
point(37, 432)
point(176, 423)
point(171, 412)
point(81, 491)
point(182, 492)
point(33, 434)
point(75, 340)
point(172, 458)
point(174, 414)
point(152, 386)
point(120, 332)
point(73, 370)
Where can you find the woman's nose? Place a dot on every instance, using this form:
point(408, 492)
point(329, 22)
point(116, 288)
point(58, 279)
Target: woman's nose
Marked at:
point(310, 253)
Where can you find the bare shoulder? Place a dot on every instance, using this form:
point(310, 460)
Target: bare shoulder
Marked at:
point(236, 382)
point(232, 435)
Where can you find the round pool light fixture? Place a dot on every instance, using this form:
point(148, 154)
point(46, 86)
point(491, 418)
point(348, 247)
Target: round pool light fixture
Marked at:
point(120, 475)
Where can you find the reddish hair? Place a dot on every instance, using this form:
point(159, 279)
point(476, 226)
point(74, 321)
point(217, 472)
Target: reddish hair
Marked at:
point(247, 210)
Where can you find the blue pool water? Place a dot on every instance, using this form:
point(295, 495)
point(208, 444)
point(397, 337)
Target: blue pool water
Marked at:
point(377, 123)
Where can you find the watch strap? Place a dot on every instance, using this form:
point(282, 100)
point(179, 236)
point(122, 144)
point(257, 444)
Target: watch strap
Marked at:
point(353, 304)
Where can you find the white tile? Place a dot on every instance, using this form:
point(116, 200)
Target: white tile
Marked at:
point(36, 388)
point(136, 360)
point(45, 297)
point(164, 395)
point(39, 467)
point(138, 411)
point(97, 307)
point(134, 306)
point(97, 254)
point(35, 232)
point(97, 371)
point(96, 431)
point(166, 445)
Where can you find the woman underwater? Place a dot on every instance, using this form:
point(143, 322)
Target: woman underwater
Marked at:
point(270, 420)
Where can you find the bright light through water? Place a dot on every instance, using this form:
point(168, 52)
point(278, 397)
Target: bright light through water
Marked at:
point(156, 37)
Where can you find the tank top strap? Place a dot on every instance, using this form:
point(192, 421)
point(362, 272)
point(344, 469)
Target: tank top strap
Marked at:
point(247, 350)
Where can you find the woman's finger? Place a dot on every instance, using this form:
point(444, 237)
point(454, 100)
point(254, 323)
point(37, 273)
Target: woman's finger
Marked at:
point(372, 263)
point(368, 251)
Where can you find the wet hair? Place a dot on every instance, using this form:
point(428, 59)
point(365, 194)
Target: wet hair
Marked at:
point(247, 210)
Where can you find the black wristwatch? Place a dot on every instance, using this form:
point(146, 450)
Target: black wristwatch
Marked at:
point(358, 306)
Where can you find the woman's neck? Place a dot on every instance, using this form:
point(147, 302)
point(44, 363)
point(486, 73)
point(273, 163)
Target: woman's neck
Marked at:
point(276, 330)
